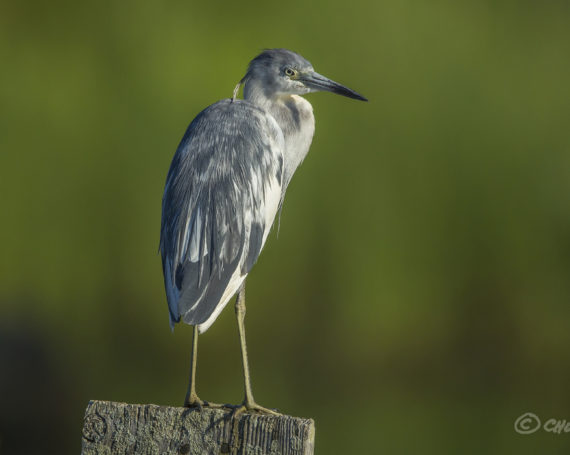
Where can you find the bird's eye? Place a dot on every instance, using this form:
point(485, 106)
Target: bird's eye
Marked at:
point(289, 71)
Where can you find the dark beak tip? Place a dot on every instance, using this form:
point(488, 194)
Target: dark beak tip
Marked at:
point(349, 93)
point(357, 96)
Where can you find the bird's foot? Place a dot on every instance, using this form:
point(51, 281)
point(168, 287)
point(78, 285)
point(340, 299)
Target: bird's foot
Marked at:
point(193, 401)
point(197, 403)
point(250, 406)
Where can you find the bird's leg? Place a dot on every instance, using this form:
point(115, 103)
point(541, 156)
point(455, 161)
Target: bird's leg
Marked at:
point(192, 399)
point(249, 403)
point(240, 315)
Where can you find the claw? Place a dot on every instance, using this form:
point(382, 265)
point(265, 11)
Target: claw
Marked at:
point(251, 407)
point(260, 409)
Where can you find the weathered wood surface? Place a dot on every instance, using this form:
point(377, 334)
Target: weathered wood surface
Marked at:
point(120, 428)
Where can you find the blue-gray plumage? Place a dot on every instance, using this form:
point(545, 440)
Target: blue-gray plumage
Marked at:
point(214, 202)
point(226, 184)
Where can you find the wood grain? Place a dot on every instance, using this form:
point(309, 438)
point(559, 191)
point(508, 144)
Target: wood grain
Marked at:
point(120, 428)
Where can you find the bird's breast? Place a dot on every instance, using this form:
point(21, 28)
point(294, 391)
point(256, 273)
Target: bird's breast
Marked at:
point(294, 115)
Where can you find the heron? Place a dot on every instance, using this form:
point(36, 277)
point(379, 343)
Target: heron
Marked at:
point(225, 186)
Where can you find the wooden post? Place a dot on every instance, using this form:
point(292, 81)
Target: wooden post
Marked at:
point(120, 428)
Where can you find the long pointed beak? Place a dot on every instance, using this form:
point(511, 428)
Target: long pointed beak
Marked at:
point(317, 82)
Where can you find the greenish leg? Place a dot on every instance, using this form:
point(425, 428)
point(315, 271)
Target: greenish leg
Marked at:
point(192, 399)
point(249, 403)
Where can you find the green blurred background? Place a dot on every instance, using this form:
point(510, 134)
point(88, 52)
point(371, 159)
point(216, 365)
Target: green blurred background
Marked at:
point(417, 297)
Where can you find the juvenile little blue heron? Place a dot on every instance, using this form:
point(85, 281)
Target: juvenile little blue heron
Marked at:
point(224, 188)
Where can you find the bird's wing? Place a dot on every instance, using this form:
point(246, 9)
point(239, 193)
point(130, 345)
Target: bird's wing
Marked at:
point(221, 196)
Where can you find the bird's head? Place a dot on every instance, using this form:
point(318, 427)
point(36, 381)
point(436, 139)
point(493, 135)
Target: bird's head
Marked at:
point(278, 72)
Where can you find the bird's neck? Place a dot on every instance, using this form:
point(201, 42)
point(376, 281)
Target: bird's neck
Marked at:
point(254, 93)
point(294, 115)
point(291, 112)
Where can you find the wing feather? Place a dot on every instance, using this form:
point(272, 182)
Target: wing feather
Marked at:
point(221, 197)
